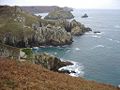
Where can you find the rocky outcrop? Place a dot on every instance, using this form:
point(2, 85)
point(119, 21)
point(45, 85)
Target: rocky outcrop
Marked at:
point(74, 27)
point(77, 28)
point(9, 52)
point(59, 13)
point(51, 35)
point(50, 62)
point(85, 16)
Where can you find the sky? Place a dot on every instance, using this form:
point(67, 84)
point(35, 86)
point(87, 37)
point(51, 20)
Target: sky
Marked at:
point(81, 4)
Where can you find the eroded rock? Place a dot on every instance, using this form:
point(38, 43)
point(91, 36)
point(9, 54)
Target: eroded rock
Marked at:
point(50, 62)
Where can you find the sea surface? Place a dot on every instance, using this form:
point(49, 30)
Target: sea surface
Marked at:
point(96, 56)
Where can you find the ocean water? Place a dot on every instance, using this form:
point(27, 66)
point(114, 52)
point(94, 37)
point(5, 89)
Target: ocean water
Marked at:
point(98, 55)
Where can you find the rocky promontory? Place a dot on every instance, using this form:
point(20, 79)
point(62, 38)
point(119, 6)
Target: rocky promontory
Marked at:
point(59, 13)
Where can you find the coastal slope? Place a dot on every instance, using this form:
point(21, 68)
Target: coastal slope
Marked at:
point(15, 75)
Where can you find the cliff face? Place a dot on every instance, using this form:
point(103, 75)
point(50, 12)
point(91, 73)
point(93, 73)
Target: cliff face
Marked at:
point(21, 29)
point(77, 28)
point(50, 62)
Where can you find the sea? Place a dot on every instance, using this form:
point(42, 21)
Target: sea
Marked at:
point(95, 56)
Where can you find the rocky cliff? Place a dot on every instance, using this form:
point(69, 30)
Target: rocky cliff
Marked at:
point(59, 13)
point(21, 29)
point(9, 52)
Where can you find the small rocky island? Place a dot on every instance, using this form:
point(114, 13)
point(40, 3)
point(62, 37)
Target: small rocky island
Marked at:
point(85, 16)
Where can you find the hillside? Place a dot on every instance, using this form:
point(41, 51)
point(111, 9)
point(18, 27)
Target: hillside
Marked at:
point(15, 75)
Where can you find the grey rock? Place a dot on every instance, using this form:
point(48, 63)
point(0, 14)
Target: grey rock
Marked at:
point(50, 62)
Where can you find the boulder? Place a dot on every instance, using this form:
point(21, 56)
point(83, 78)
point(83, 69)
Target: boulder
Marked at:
point(50, 62)
point(59, 13)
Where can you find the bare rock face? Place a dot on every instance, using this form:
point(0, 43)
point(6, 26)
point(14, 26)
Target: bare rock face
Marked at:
point(59, 13)
point(52, 35)
point(50, 62)
point(76, 31)
point(77, 28)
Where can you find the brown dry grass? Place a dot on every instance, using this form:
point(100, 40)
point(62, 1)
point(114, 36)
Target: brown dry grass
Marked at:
point(15, 75)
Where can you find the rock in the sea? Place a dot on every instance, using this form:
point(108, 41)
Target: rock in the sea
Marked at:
point(84, 16)
point(66, 71)
point(50, 62)
point(59, 13)
point(97, 32)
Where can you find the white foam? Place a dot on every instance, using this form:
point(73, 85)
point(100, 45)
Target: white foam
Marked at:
point(77, 67)
point(42, 46)
point(119, 86)
point(117, 41)
point(55, 53)
point(95, 36)
point(89, 33)
point(110, 39)
point(77, 49)
point(36, 48)
point(67, 51)
point(98, 46)
point(117, 26)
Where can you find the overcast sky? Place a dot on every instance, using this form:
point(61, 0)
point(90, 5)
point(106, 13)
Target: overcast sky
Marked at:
point(83, 4)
